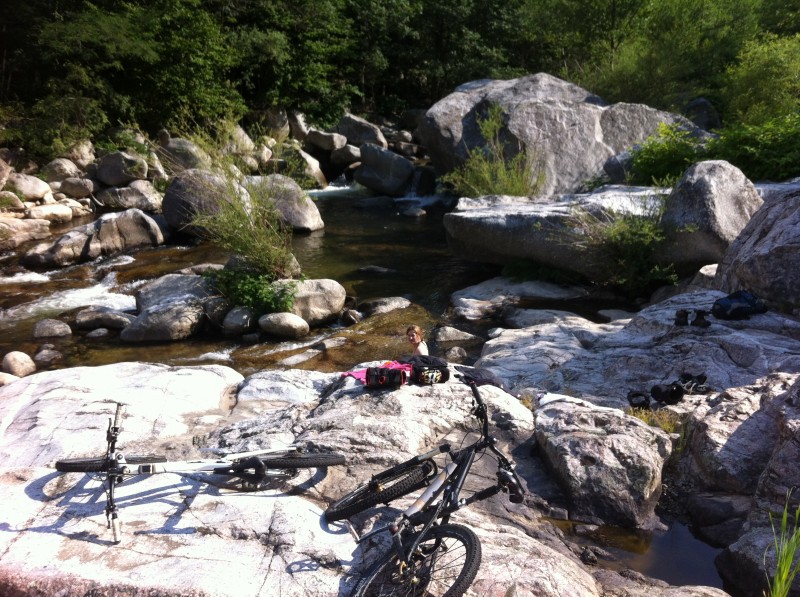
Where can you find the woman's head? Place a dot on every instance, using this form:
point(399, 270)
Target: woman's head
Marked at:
point(414, 334)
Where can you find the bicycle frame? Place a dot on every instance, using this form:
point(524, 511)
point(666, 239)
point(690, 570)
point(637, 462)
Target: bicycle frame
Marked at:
point(448, 485)
point(237, 465)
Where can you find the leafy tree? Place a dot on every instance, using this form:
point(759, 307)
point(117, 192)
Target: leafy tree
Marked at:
point(765, 81)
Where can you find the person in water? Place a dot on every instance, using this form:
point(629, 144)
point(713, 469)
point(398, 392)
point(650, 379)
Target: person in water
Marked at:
point(414, 335)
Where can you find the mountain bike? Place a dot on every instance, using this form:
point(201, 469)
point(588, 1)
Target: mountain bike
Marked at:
point(252, 468)
point(429, 555)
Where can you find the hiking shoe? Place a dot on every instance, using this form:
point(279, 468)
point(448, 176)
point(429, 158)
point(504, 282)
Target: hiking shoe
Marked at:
point(638, 399)
point(681, 317)
point(700, 320)
point(671, 393)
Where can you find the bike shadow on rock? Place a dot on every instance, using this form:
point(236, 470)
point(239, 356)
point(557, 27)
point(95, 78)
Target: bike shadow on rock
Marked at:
point(73, 498)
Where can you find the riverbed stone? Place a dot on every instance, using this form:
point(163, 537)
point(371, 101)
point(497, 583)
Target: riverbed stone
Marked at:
point(139, 194)
point(79, 187)
point(18, 363)
point(103, 317)
point(29, 187)
point(318, 301)
point(59, 169)
point(239, 321)
point(119, 168)
point(56, 213)
point(283, 325)
point(386, 304)
point(45, 328)
point(7, 378)
point(14, 232)
point(295, 206)
point(384, 171)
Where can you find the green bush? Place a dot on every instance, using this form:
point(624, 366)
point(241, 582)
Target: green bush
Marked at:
point(257, 291)
point(768, 151)
point(664, 157)
point(487, 170)
point(249, 225)
point(625, 246)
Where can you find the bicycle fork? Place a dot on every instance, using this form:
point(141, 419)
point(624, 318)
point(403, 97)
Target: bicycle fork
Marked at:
point(116, 464)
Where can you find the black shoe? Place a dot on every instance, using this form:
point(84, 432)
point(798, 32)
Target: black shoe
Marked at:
point(667, 393)
point(681, 317)
point(700, 320)
point(638, 399)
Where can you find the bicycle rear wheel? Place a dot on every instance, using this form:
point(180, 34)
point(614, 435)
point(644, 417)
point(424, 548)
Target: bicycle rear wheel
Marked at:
point(294, 460)
point(371, 494)
point(444, 565)
point(99, 465)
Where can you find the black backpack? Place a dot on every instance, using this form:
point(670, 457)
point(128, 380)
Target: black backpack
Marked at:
point(480, 377)
point(738, 305)
point(427, 369)
point(384, 377)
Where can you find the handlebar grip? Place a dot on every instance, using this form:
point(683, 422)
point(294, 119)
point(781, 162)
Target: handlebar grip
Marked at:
point(118, 414)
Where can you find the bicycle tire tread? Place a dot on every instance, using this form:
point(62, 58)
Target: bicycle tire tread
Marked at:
point(99, 465)
point(363, 497)
point(461, 584)
point(321, 459)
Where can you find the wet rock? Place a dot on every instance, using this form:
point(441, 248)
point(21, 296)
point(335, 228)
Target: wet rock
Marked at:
point(51, 328)
point(451, 334)
point(283, 325)
point(99, 334)
point(377, 306)
point(46, 357)
point(239, 321)
point(110, 234)
point(103, 317)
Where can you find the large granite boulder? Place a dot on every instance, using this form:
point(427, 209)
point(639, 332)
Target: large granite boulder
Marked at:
point(384, 171)
point(706, 211)
point(359, 131)
point(29, 187)
point(139, 194)
point(571, 130)
point(608, 463)
point(15, 232)
point(765, 257)
point(318, 301)
point(295, 206)
point(119, 168)
point(110, 234)
point(194, 191)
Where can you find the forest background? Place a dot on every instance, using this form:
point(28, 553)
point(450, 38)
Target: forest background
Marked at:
point(70, 69)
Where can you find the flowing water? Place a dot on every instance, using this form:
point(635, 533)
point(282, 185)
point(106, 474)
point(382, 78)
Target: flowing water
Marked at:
point(416, 264)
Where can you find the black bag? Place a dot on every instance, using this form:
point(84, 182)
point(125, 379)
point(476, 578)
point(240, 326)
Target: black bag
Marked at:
point(384, 377)
point(427, 369)
point(738, 305)
point(480, 377)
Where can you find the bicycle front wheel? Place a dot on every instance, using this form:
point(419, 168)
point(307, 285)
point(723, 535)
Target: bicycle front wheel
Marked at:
point(444, 565)
point(372, 493)
point(100, 465)
point(290, 460)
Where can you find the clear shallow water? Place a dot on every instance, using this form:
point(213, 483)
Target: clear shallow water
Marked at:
point(413, 250)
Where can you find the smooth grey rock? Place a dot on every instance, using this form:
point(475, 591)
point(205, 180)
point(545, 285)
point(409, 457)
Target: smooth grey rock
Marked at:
point(451, 334)
point(384, 171)
point(283, 325)
point(706, 211)
point(295, 206)
point(193, 191)
point(119, 168)
point(325, 141)
point(359, 131)
point(318, 301)
point(54, 212)
point(377, 306)
point(59, 169)
point(14, 232)
point(45, 328)
point(110, 234)
point(139, 194)
point(239, 321)
point(103, 317)
point(29, 187)
point(79, 187)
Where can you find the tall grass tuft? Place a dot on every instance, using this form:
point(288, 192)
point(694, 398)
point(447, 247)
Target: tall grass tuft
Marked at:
point(487, 170)
point(787, 548)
